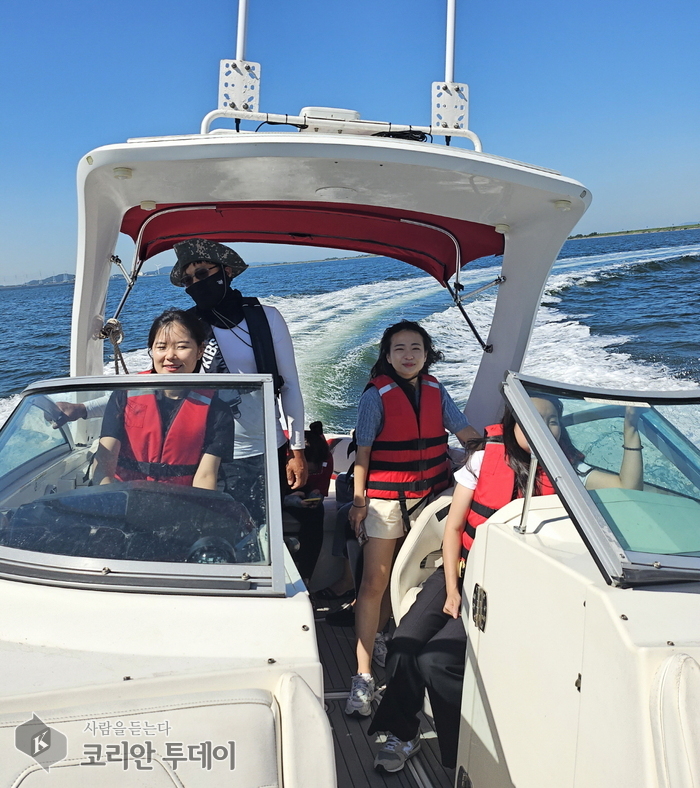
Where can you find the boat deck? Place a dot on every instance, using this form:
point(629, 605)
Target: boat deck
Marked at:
point(354, 749)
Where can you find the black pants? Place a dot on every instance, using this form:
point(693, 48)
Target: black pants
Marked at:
point(426, 652)
point(310, 537)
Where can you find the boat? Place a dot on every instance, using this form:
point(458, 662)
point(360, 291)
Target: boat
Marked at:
point(162, 636)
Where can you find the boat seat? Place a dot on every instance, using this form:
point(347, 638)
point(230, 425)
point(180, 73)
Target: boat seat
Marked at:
point(675, 722)
point(419, 555)
point(243, 738)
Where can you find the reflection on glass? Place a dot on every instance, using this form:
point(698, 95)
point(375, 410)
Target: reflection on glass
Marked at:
point(660, 515)
point(144, 474)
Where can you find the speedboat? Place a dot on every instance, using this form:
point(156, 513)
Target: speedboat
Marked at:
point(162, 635)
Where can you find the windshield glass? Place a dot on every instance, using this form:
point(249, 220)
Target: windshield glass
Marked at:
point(640, 464)
point(138, 474)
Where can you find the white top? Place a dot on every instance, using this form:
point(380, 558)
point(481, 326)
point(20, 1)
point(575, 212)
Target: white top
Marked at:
point(238, 354)
point(468, 474)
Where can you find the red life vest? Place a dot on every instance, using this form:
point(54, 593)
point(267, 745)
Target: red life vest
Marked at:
point(146, 454)
point(495, 486)
point(409, 456)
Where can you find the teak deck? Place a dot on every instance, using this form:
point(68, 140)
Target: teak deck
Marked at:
point(354, 749)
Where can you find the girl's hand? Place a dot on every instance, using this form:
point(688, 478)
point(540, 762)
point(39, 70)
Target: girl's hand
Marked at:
point(356, 516)
point(452, 603)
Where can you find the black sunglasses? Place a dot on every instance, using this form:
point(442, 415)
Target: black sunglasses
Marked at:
point(199, 275)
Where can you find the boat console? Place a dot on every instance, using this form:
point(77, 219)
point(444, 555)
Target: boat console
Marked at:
point(143, 602)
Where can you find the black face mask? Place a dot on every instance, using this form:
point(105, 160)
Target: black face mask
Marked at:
point(209, 292)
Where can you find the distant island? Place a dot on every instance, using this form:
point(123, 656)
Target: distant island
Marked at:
point(638, 232)
point(69, 279)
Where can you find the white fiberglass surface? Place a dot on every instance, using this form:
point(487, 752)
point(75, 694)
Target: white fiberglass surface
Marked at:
point(648, 492)
point(143, 474)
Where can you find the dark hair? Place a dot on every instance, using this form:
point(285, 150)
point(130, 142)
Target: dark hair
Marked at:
point(316, 450)
point(383, 367)
point(192, 324)
point(518, 458)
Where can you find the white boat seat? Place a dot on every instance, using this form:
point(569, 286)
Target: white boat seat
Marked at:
point(675, 722)
point(280, 739)
point(419, 555)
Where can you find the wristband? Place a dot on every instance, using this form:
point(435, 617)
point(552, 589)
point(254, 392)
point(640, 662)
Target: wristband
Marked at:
point(363, 506)
point(629, 448)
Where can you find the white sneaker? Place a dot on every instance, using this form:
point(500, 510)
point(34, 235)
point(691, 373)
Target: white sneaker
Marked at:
point(394, 754)
point(359, 702)
point(380, 649)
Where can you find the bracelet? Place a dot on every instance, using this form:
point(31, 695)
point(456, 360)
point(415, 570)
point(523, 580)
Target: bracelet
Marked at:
point(629, 448)
point(363, 506)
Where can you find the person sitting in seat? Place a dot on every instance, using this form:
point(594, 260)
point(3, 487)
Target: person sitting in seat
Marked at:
point(306, 504)
point(429, 645)
point(176, 436)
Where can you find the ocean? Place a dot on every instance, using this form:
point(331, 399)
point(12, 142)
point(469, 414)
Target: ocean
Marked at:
point(620, 311)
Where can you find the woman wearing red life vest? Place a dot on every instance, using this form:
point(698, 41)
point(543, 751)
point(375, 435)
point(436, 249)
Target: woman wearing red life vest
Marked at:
point(402, 422)
point(428, 648)
point(176, 436)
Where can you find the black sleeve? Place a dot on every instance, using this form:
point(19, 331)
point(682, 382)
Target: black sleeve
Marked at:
point(218, 438)
point(113, 419)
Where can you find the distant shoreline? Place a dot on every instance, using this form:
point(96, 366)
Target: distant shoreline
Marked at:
point(70, 278)
point(636, 232)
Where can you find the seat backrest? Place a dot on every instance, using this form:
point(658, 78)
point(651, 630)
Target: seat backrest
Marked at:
point(418, 557)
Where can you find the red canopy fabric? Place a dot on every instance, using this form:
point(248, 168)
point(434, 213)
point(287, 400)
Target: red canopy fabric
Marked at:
point(372, 230)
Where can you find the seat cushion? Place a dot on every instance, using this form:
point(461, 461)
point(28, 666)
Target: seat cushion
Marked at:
point(203, 739)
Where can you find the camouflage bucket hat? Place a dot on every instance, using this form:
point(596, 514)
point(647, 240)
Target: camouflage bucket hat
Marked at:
point(198, 250)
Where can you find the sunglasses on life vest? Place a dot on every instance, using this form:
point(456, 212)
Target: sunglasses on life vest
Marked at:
point(199, 275)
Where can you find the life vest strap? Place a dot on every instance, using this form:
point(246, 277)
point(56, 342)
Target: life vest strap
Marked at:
point(417, 486)
point(417, 444)
point(157, 470)
point(417, 465)
point(483, 511)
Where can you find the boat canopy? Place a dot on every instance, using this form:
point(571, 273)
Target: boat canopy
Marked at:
point(431, 206)
point(437, 245)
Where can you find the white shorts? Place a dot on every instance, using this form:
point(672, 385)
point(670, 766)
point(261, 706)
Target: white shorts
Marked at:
point(384, 520)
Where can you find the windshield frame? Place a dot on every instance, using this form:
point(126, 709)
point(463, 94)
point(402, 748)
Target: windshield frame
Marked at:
point(161, 577)
point(619, 567)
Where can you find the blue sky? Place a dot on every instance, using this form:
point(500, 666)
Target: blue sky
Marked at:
point(607, 92)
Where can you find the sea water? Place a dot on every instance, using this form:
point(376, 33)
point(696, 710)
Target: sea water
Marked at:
point(618, 312)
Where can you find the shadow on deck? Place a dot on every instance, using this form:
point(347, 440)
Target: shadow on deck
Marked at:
point(354, 749)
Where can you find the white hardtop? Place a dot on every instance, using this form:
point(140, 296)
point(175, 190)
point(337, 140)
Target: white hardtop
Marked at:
point(451, 191)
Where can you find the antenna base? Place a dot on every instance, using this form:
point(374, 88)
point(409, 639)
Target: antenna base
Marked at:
point(239, 85)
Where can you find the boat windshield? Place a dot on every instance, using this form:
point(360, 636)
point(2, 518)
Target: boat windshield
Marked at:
point(627, 467)
point(135, 476)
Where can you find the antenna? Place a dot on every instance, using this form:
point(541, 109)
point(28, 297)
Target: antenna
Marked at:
point(450, 99)
point(239, 79)
point(450, 41)
point(242, 28)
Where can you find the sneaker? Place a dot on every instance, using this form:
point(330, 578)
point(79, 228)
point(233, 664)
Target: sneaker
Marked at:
point(380, 649)
point(359, 702)
point(394, 754)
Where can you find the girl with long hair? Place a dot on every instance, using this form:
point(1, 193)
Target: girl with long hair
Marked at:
point(429, 645)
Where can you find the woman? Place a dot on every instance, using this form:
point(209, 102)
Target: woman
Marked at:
point(176, 436)
point(306, 504)
point(428, 647)
point(401, 460)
